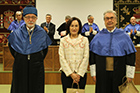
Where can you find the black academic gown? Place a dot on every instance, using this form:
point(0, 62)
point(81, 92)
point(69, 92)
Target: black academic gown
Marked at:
point(107, 80)
point(117, 45)
point(28, 74)
point(61, 28)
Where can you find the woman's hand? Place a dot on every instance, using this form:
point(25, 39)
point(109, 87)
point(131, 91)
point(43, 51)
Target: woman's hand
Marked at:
point(75, 77)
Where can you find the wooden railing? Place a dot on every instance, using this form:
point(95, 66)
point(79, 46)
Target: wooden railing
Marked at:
point(51, 61)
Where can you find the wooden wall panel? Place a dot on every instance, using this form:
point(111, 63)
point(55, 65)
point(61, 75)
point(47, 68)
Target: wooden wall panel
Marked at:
point(138, 59)
point(137, 79)
point(55, 78)
point(1, 54)
point(56, 59)
point(51, 61)
point(5, 78)
point(8, 59)
point(52, 78)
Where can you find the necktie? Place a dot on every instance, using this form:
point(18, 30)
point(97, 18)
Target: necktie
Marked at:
point(47, 25)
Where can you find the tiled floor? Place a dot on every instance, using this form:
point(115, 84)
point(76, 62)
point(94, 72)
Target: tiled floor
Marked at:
point(48, 89)
point(54, 88)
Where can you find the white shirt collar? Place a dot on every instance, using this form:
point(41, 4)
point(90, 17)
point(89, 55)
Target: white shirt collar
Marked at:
point(90, 23)
point(111, 30)
point(18, 21)
point(30, 29)
point(47, 23)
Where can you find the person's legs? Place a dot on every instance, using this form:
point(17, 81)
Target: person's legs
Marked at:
point(82, 82)
point(66, 82)
point(109, 85)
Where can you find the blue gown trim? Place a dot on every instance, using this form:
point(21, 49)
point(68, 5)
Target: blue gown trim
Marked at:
point(117, 43)
point(19, 40)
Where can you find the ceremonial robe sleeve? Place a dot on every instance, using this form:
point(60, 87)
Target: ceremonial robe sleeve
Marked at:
point(138, 33)
point(13, 52)
point(130, 65)
point(92, 64)
point(11, 27)
point(45, 51)
point(61, 28)
point(84, 32)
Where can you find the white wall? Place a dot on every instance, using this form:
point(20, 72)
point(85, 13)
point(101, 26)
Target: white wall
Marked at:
point(75, 8)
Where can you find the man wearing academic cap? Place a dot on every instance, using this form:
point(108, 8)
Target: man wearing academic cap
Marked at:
point(28, 45)
point(112, 56)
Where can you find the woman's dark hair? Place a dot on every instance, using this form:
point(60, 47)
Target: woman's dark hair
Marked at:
point(69, 23)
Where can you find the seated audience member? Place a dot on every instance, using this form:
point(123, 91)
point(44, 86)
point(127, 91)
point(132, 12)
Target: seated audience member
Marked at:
point(16, 23)
point(90, 29)
point(49, 27)
point(62, 27)
point(133, 30)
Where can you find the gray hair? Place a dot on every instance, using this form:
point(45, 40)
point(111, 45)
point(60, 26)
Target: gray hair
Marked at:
point(68, 17)
point(49, 15)
point(132, 17)
point(89, 16)
point(18, 12)
point(110, 11)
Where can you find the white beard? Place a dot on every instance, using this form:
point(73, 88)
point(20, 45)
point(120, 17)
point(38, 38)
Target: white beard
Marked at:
point(30, 26)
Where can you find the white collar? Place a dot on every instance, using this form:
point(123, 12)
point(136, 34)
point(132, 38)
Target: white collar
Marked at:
point(111, 30)
point(47, 23)
point(90, 23)
point(18, 21)
point(30, 29)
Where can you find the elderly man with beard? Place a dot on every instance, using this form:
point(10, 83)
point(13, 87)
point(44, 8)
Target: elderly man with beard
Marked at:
point(28, 45)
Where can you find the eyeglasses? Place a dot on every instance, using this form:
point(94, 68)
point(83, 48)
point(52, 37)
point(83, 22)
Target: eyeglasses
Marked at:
point(111, 18)
point(32, 17)
point(18, 15)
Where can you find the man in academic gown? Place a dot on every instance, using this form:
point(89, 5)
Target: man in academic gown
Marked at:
point(112, 57)
point(29, 46)
point(62, 28)
point(16, 23)
point(133, 30)
point(90, 29)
